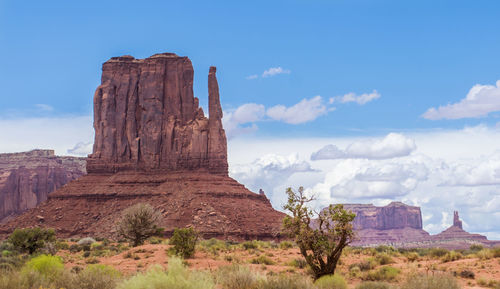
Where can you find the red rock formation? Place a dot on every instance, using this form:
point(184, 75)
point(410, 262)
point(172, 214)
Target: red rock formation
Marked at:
point(396, 215)
point(27, 178)
point(147, 118)
point(456, 220)
point(153, 144)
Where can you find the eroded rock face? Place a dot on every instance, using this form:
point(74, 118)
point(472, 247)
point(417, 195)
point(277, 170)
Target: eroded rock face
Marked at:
point(153, 144)
point(147, 118)
point(396, 215)
point(27, 178)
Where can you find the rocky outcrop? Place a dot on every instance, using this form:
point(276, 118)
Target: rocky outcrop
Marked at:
point(147, 118)
point(153, 144)
point(27, 178)
point(396, 215)
point(400, 225)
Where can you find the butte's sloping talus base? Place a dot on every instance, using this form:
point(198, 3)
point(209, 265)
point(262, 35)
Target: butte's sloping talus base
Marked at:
point(154, 144)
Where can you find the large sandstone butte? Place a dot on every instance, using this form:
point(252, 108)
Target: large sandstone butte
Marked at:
point(400, 225)
point(154, 144)
point(27, 178)
point(393, 223)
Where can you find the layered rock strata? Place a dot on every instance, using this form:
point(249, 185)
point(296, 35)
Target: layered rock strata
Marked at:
point(153, 144)
point(147, 118)
point(400, 225)
point(27, 178)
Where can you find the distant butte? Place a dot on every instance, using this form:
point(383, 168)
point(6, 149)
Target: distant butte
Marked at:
point(154, 144)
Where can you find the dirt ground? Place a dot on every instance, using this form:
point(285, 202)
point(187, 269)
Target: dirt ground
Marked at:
point(132, 260)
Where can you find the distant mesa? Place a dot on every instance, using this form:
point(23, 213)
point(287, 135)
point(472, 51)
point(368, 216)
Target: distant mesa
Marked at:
point(400, 225)
point(27, 178)
point(154, 144)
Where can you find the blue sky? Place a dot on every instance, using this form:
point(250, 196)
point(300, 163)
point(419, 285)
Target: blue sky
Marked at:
point(352, 74)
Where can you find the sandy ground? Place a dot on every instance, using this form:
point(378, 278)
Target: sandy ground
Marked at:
point(141, 258)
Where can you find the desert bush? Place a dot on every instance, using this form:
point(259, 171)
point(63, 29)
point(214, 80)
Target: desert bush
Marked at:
point(373, 285)
point(48, 267)
point(485, 254)
point(476, 247)
point(286, 245)
point(237, 277)
point(31, 240)
point(331, 282)
point(384, 259)
point(496, 252)
point(87, 241)
point(467, 274)
point(451, 256)
point(435, 281)
point(138, 223)
point(247, 245)
point(365, 265)
point(412, 256)
point(96, 277)
point(184, 241)
point(177, 277)
point(298, 263)
point(285, 282)
point(385, 249)
point(437, 252)
point(262, 260)
point(62, 245)
point(385, 273)
point(320, 246)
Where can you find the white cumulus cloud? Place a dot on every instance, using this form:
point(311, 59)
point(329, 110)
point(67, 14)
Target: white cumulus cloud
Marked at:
point(391, 146)
point(304, 111)
point(275, 71)
point(480, 101)
point(359, 99)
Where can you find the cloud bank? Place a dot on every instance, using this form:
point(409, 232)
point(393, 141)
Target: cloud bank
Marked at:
point(479, 102)
point(391, 146)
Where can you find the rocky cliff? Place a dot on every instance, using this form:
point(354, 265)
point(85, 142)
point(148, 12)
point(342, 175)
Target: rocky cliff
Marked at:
point(147, 118)
point(27, 178)
point(153, 144)
point(396, 215)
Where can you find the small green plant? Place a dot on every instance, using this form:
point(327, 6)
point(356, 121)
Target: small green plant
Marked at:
point(176, 277)
point(298, 263)
point(286, 245)
point(331, 282)
point(184, 241)
point(31, 240)
point(373, 285)
point(138, 223)
point(384, 259)
point(385, 273)
point(48, 267)
point(437, 252)
point(237, 277)
point(96, 277)
point(485, 254)
point(262, 260)
point(451, 256)
point(412, 256)
point(428, 281)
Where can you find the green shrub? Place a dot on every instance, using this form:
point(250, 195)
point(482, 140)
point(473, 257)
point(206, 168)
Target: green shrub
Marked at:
point(138, 223)
point(384, 259)
point(247, 245)
point(476, 247)
point(437, 252)
point(285, 282)
point(496, 252)
point(385, 273)
point(62, 245)
point(485, 254)
point(331, 282)
point(366, 265)
point(262, 260)
point(177, 277)
point(184, 241)
point(385, 249)
point(237, 277)
point(373, 285)
point(286, 245)
point(96, 277)
point(31, 240)
point(412, 256)
point(434, 281)
point(48, 267)
point(298, 263)
point(451, 256)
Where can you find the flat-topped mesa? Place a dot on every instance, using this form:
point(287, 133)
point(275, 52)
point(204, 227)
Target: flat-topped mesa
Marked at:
point(396, 215)
point(146, 118)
